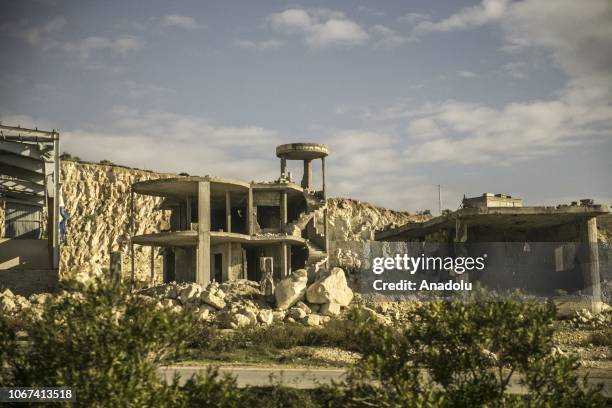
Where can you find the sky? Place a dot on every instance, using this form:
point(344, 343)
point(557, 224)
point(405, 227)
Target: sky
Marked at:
point(476, 96)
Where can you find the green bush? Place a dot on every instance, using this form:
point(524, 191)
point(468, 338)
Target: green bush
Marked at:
point(106, 344)
point(464, 354)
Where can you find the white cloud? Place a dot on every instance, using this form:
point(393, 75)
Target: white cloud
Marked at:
point(171, 142)
point(180, 21)
point(388, 37)
point(413, 18)
point(467, 74)
point(486, 12)
point(259, 45)
point(38, 36)
point(118, 45)
point(579, 34)
point(321, 28)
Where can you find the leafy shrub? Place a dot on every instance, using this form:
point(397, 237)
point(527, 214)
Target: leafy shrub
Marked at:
point(335, 333)
point(464, 354)
point(107, 345)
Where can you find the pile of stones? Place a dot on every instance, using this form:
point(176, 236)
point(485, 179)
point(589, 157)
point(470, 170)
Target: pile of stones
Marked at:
point(234, 304)
point(241, 303)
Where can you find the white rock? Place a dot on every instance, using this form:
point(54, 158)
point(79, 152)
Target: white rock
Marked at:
point(251, 315)
point(265, 316)
point(331, 288)
point(279, 315)
point(240, 320)
point(189, 292)
point(304, 307)
point(212, 299)
point(312, 320)
point(202, 314)
point(330, 309)
point(296, 313)
point(290, 290)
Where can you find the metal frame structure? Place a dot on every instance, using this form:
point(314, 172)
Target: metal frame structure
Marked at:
point(15, 142)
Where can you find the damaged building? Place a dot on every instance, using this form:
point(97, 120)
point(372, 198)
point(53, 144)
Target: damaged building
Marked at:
point(538, 248)
point(222, 229)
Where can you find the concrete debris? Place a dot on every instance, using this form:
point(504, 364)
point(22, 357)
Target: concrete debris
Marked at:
point(266, 317)
point(312, 320)
point(296, 313)
point(330, 309)
point(213, 298)
point(190, 292)
point(331, 288)
point(290, 290)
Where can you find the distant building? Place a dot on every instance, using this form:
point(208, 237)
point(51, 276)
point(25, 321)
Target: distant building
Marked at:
point(488, 200)
point(539, 248)
point(223, 229)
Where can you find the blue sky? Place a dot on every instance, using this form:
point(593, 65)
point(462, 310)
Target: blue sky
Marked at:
point(495, 95)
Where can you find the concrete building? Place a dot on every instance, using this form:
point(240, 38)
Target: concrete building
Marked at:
point(29, 193)
point(539, 248)
point(488, 200)
point(223, 229)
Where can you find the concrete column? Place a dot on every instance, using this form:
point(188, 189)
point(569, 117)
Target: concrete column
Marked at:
point(461, 236)
point(283, 164)
point(307, 177)
point(323, 171)
point(228, 263)
point(283, 211)
point(249, 212)
point(589, 262)
point(461, 231)
point(228, 211)
point(188, 213)
point(284, 270)
point(203, 249)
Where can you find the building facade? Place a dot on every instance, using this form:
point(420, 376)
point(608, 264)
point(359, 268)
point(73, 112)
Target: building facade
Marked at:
point(222, 229)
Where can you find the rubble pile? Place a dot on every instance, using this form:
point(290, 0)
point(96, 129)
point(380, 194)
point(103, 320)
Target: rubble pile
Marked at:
point(241, 303)
point(584, 317)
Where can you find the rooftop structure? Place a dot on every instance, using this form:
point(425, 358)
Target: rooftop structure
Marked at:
point(222, 229)
point(492, 200)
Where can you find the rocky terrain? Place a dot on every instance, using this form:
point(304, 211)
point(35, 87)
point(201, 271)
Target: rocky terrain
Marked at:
point(98, 199)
